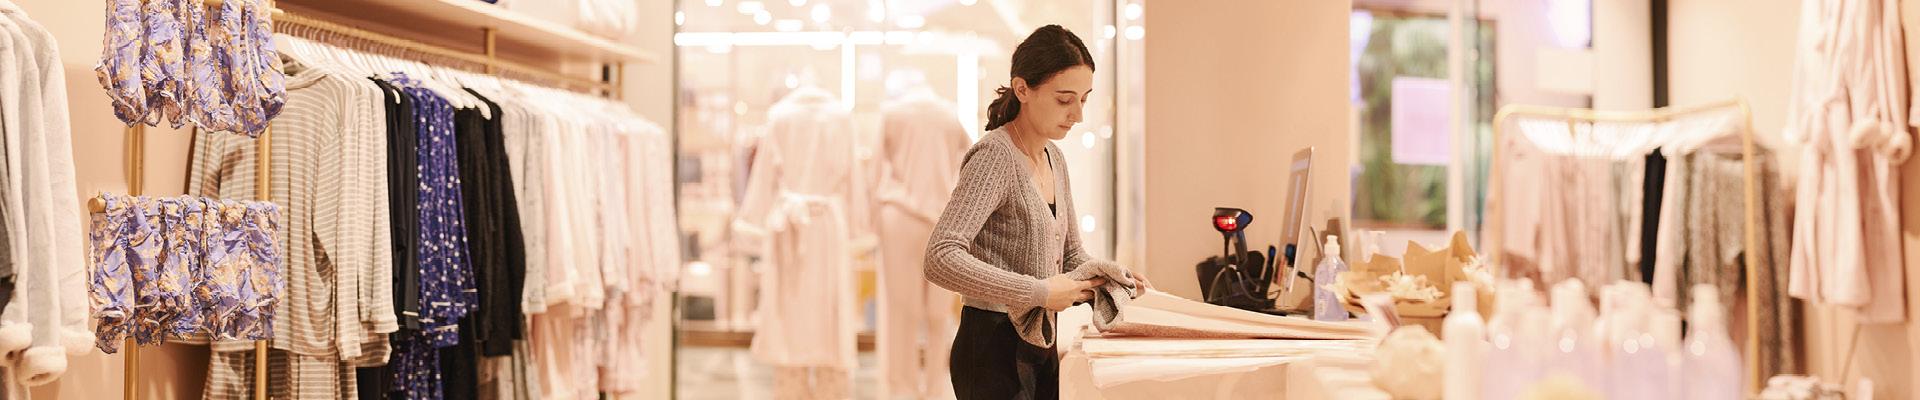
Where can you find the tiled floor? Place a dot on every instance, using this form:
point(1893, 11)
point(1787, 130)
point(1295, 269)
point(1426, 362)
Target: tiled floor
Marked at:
point(731, 373)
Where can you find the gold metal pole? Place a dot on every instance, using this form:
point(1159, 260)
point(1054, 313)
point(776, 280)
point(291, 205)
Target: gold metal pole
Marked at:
point(492, 56)
point(619, 79)
point(135, 139)
point(1754, 223)
point(263, 190)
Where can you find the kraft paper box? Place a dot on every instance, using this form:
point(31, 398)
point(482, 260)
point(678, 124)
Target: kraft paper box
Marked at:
point(1441, 267)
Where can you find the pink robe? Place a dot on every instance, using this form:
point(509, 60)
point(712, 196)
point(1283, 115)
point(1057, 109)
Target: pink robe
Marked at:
point(920, 161)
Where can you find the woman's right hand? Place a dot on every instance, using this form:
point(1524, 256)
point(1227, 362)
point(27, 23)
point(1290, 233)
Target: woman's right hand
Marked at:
point(1063, 291)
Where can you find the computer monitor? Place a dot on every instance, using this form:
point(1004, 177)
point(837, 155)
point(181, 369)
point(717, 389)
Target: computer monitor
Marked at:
point(1298, 182)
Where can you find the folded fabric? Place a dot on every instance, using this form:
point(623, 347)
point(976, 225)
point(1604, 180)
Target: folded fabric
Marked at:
point(253, 268)
point(1106, 300)
point(1158, 314)
point(122, 241)
point(164, 291)
point(174, 267)
point(171, 60)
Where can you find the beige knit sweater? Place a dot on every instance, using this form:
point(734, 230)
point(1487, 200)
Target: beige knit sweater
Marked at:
point(997, 240)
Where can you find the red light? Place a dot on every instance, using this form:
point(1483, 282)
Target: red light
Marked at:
point(1226, 223)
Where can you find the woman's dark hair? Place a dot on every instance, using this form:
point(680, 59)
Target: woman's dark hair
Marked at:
point(1045, 53)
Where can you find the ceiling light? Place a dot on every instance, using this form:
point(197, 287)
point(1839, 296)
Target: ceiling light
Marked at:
point(1133, 11)
point(750, 7)
point(912, 22)
point(787, 25)
point(714, 3)
point(876, 14)
point(1109, 31)
point(797, 3)
point(679, 18)
point(967, 2)
point(1086, 139)
point(821, 12)
point(762, 17)
point(1136, 32)
point(1086, 223)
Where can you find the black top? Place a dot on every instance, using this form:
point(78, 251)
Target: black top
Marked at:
point(403, 199)
point(493, 228)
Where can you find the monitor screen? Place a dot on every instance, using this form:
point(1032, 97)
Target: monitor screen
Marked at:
point(1297, 183)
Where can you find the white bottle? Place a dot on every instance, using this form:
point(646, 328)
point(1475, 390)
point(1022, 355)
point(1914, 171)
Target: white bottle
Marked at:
point(1712, 363)
point(1465, 335)
point(1640, 366)
point(1572, 347)
point(1508, 343)
point(1327, 306)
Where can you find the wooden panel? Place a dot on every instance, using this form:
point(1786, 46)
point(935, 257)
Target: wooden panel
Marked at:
point(442, 19)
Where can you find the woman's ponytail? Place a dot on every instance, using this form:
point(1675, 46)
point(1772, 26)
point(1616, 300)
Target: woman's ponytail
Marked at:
point(1003, 108)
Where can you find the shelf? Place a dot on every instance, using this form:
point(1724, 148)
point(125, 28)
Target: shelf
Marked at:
point(513, 31)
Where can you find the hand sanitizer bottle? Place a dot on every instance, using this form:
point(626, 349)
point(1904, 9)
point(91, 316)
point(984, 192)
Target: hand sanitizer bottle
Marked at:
point(1326, 305)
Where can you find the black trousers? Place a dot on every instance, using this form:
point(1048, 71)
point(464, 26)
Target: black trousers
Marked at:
point(991, 361)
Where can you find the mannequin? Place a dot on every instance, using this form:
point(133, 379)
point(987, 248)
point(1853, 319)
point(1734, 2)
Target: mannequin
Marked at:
point(797, 210)
point(919, 161)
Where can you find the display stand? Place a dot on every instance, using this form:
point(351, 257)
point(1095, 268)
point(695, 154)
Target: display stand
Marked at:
point(1748, 151)
point(569, 44)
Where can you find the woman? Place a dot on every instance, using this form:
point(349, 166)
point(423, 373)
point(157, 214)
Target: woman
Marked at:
point(1007, 235)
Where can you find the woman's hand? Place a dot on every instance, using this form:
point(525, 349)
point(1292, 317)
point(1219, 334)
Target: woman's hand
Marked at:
point(1064, 291)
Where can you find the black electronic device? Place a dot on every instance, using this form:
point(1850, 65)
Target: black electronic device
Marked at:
point(1237, 278)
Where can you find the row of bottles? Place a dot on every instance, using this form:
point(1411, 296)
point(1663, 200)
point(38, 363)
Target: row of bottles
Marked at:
point(1630, 349)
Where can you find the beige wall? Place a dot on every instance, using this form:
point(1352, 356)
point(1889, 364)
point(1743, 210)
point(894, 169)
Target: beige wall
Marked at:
point(1227, 80)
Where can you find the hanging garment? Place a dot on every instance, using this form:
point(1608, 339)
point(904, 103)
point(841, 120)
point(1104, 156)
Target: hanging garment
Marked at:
point(921, 148)
point(175, 61)
point(41, 204)
point(334, 132)
point(447, 291)
point(804, 181)
point(193, 267)
point(1850, 114)
point(495, 236)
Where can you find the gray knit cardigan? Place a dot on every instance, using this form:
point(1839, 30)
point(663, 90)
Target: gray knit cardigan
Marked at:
point(995, 242)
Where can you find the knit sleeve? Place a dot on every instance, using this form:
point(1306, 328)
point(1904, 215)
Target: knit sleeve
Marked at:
point(986, 176)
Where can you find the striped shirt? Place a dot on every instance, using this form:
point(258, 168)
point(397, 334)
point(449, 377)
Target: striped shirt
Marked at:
point(337, 308)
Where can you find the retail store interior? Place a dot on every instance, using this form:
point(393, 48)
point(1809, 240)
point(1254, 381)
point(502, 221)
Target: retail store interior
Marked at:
point(819, 199)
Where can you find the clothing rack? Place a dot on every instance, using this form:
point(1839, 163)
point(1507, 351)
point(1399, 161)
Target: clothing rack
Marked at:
point(297, 23)
point(1751, 183)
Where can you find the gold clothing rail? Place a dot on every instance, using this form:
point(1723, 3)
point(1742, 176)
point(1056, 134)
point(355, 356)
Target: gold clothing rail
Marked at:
point(492, 64)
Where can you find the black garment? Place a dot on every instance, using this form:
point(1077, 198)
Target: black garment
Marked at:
point(403, 201)
point(459, 367)
point(403, 198)
point(991, 361)
point(1652, 189)
point(493, 229)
